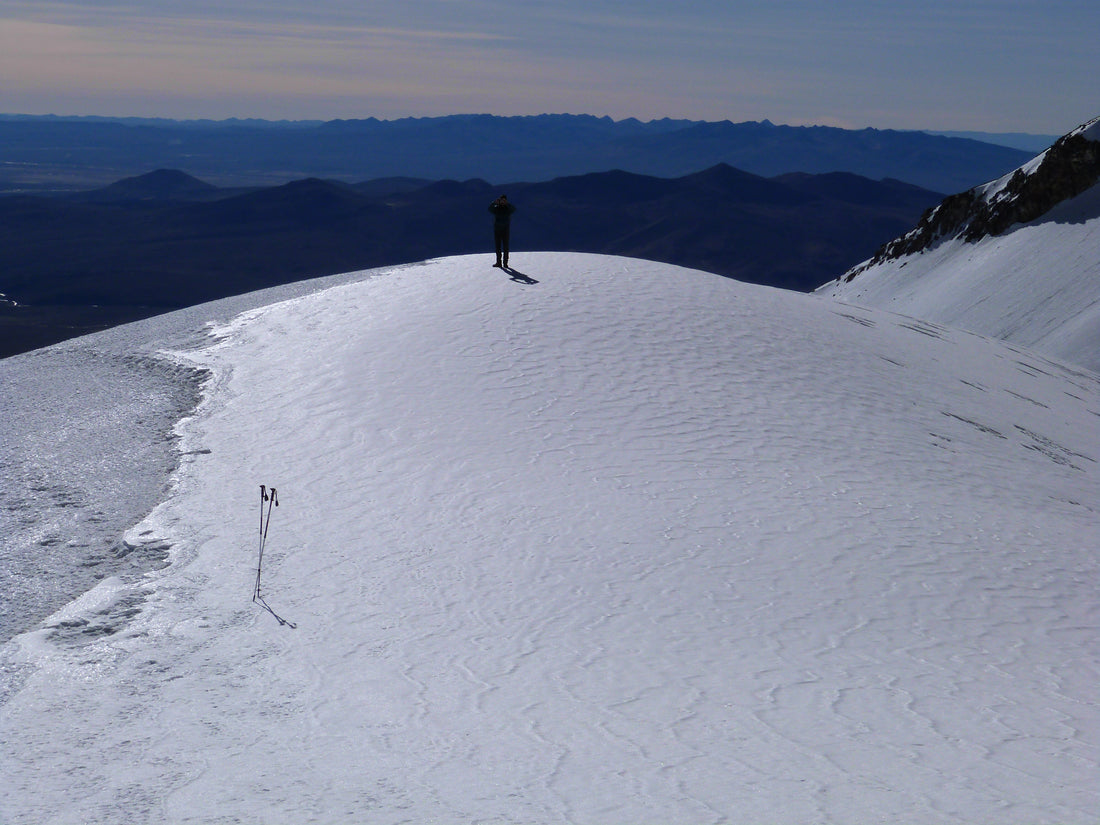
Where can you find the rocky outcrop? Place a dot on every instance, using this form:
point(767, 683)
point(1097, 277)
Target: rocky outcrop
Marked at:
point(1065, 170)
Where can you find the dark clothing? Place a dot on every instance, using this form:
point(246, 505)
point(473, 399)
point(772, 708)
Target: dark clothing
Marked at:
point(500, 240)
point(502, 222)
point(502, 212)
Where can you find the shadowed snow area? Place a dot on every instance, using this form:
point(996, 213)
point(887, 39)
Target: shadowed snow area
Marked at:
point(609, 541)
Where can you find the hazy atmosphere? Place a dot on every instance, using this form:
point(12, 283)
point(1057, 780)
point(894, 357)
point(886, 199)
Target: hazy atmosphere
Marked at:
point(993, 66)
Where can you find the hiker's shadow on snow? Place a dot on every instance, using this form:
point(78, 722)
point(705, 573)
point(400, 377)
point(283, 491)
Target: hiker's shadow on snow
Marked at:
point(519, 277)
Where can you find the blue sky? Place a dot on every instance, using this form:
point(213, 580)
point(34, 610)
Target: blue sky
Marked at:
point(991, 65)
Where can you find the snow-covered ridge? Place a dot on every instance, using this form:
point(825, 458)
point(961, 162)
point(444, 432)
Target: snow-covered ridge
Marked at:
point(1065, 170)
point(1000, 189)
point(1017, 258)
point(607, 542)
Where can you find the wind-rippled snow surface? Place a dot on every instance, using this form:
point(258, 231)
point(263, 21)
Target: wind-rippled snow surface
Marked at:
point(610, 542)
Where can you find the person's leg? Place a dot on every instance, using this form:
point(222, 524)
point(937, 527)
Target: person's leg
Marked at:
point(498, 242)
point(504, 243)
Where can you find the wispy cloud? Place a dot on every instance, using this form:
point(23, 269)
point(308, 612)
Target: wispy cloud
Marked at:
point(855, 61)
point(185, 51)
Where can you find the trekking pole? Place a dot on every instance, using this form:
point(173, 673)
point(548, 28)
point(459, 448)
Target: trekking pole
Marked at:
point(272, 500)
point(271, 497)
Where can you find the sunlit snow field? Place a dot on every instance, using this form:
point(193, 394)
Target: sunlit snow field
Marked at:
point(608, 542)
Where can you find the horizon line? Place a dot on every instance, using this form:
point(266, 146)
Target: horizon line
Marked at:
point(9, 116)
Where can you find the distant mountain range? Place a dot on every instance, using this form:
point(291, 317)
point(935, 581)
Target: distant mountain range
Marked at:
point(1017, 140)
point(165, 240)
point(45, 153)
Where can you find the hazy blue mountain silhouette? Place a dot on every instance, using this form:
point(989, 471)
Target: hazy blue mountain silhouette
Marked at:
point(163, 184)
point(76, 264)
point(58, 153)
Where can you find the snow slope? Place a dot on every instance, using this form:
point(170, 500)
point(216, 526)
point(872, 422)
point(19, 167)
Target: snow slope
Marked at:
point(1036, 285)
point(612, 542)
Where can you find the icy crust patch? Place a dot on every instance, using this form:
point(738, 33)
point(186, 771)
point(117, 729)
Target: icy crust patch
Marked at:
point(102, 611)
point(617, 543)
point(86, 447)
point(112, 604)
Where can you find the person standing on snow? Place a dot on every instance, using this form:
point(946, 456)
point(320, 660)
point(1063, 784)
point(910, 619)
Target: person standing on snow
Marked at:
point(502, 219)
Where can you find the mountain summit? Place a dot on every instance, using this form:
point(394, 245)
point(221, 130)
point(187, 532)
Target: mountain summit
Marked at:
point(1023, 246)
